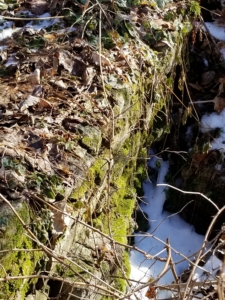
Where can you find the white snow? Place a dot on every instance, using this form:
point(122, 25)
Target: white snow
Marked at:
point(11, 60)
point(38, 25)
point(182, 237)
point(5, 24)
point(216, 30)
point(7, 33)
point(213, 121)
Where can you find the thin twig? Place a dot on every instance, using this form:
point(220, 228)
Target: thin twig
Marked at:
point(31, 19)
point(191, 193)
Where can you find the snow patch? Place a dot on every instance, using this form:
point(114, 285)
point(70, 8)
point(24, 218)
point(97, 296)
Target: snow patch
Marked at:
point(183, 239)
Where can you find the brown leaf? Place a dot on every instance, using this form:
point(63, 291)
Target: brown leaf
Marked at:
point(198, 158)
point(97, 59)
point(196, 86)
point(219, 104)
point(221, 88)
point(65, 59)
point(55, 63)
point(71, 63)
point(78, 43)
point(151, 292)
point(79, 68)
point(164, 24)
point(3, 55)
point(207, 78)
point(44, 104)
point(34, 77)
point(88, 76)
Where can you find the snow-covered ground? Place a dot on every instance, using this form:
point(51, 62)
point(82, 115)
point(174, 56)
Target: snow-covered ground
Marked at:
point(183, 239)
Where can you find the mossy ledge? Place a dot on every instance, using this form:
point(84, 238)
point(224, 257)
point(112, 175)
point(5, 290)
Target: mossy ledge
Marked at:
point(92, 171)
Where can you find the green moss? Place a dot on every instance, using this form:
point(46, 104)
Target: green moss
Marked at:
point(79, 193)
point(95, 176)
point(73, 270)
point(92, 139)
point(195, 9)
point(98, 170)
point(97, 223)
point(121, 283)
point(16, 263)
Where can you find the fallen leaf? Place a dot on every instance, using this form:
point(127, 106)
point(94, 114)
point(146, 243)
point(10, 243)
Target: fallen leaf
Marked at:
point(219, 104)
point(196, 86)
point(29, 101)
point(44, 104)
point(60, 83)
point(37, 92)
point(34, 77)
point(3, 55)
point(207, 77)
point(61, 220)
point(164, 24)
point(151, 292)
point(97, 59)
point(198, 158)
point(88, 76)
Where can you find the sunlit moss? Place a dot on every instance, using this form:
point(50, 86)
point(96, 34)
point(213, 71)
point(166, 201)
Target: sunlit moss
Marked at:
point(16, 263)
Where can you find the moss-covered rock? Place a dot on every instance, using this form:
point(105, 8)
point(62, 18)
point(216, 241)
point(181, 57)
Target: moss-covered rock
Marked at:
point(18, 256)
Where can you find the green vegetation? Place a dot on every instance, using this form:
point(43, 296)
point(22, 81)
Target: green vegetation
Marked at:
point(16, 262)
point(195, 9)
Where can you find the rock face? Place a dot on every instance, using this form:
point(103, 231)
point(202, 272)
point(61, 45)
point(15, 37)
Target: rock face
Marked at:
point(74, 159)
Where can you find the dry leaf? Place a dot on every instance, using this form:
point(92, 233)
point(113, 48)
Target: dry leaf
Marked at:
point(61, 220)
point(88, 76)
point(221, 87)
point(79, 68)
point(38, 91)
point(3, 55)
point(37, 7)
point(60, 83)
point(207, 77)
point(164, 24)
point(196, 86)
point(198, 158)
point(29, 101)
point(44, 104)
point(97, 58)
point(34, 78)
point(65, 59)
point(151, 292)
point(55, 64)
point(219, 104)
